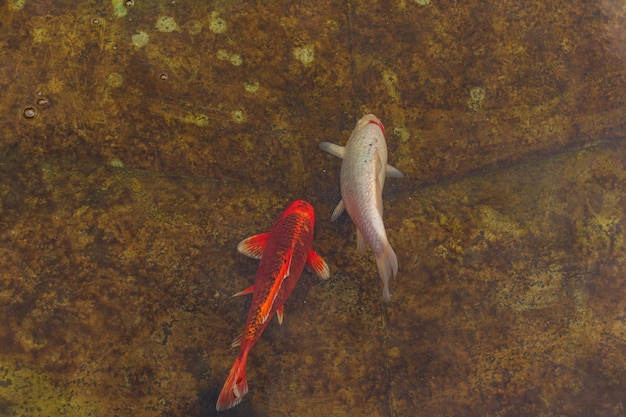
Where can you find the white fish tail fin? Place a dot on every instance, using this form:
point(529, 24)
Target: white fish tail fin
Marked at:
point(387, 264)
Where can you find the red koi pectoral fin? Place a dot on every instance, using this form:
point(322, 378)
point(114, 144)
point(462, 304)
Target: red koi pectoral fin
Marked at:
point(254, 245)
point(317, 265)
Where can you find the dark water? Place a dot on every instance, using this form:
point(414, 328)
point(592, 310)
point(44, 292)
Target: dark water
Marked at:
point(142, 140)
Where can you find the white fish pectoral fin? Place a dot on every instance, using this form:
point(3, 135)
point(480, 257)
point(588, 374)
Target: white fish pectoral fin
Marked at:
point(393, 172)
point(361, 246)
point(338, 211)
point(333, 149)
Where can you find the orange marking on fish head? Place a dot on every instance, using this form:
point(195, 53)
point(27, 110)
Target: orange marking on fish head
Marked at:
point(300, 207)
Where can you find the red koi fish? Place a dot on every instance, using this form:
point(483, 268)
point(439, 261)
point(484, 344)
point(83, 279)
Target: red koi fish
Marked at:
point(284, 251)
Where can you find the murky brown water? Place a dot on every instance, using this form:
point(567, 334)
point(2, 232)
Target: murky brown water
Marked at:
point(142, 140)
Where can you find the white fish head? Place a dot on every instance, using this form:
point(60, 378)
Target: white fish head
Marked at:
point(367, 120)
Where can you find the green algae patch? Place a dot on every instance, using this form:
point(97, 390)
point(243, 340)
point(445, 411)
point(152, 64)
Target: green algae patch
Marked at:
point(166, 24)
point(198, 119)
point(217, 24)
point(115, 80)
point(305, 54)
point(140, 39)
point(119, 9)
point(477, 96)
point(16, 4)
point(25, 391)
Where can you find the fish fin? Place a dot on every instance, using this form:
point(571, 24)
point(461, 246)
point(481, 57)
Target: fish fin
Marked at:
point(235, 387)
point(317, 265)
point(248, 290)
point(280, 314)
point(338, 211)
point(338, 151)
point(266, 307)
point(393, 172)
point(333, 149)
point(378, 165)
point(237, 340)
point(254, 245)
point(379, 203)
point(387, 264)
point(361, 246)
point(378, 189)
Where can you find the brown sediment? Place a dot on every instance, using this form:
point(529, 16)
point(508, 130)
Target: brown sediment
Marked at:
point(138, 148)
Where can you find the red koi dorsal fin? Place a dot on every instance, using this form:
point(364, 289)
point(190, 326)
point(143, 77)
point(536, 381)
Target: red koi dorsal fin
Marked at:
point(248, 290)
point(266, 307)
point(280, 314)
point(317, 265)
point(254, 245)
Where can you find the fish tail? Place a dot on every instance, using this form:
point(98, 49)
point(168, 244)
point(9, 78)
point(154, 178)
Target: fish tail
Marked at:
point(387, 264)
point(235, 386)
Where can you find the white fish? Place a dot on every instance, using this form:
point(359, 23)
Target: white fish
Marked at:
point(362, 179)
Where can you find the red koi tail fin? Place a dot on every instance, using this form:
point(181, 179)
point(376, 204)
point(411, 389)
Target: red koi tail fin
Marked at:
point(235, 386)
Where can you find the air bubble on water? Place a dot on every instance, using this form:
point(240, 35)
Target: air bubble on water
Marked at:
point(29, 113)
point(43, 102)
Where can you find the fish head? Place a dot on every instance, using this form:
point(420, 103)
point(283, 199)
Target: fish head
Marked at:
point(302, 208)
point(368, 119)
